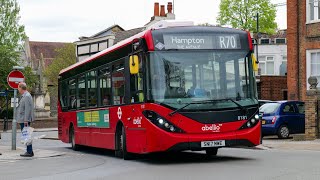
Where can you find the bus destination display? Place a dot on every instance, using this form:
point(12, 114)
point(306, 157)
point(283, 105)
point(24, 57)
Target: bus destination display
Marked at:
point(185, 41)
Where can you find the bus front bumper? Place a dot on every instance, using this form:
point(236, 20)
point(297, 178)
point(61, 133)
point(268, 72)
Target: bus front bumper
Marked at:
point(178, 142)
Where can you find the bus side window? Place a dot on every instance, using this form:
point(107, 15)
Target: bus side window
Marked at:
point(118, 84)
point(81, 97)
point(63, 94)
point(105, 86)
point(92, 88)
point(72, 94)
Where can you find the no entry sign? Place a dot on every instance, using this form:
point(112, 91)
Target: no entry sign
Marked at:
point(14, 78)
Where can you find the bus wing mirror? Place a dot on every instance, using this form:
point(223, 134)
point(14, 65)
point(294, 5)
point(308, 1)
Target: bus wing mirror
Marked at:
point(254, 63)
point(134, 64)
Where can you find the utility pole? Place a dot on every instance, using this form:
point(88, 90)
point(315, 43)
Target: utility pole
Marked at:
point(258, 36)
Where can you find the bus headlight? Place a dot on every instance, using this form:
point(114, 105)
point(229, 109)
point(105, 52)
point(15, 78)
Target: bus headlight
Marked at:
point(251, 122)
point(248, 124)
point(161, 122)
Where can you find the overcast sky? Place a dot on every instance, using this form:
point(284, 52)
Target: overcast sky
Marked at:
point(66, 20)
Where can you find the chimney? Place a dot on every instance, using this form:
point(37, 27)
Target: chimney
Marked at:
point(162, 13)
point(169, 7)
point(156, 9)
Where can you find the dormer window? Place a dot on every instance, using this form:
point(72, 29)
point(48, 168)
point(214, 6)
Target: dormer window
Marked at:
point(280, 41)
point(265, 41)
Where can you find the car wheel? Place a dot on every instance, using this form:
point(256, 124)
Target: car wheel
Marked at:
point(283, 132)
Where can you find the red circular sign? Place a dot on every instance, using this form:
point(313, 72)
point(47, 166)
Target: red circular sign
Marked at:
point(14, 78)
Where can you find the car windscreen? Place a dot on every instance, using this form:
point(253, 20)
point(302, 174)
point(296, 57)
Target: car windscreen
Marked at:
point(269, 108)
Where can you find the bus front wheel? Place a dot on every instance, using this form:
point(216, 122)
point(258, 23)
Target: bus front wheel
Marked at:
point(74, 146)
point(212, 152)
point(122, 145)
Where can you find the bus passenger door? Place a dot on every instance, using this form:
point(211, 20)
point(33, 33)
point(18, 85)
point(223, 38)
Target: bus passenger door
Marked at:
point(136, 133)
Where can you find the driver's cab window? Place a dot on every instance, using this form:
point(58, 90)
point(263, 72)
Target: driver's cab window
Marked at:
point(136, 83)
point(175, 80)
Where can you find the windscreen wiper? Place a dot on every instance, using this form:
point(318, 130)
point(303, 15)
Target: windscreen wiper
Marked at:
point(245, 110)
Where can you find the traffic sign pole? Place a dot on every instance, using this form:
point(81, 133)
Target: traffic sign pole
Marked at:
point(13, 79)
point(14, 122)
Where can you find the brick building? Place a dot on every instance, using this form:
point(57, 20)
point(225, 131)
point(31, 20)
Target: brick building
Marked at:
point(87, 46)
point(271, 77)
point(303, 36)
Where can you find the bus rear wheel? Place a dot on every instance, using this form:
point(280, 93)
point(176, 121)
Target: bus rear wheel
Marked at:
point(74, 146)
point(212, 152)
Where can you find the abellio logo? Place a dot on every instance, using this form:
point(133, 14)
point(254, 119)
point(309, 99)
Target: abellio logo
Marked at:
point(213, 128)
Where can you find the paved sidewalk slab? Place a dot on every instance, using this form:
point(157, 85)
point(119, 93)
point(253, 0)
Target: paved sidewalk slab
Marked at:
point(8, 154)
point(292, 145)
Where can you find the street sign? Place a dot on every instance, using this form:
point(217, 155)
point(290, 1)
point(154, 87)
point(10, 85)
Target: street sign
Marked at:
point(14, 78)
point(12, 102)
point(3, 93)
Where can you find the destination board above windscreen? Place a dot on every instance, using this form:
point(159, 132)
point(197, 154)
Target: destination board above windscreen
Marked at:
point(192, 41)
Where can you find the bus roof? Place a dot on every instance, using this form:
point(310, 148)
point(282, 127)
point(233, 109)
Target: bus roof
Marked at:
point(144, 34)
point(106, 51)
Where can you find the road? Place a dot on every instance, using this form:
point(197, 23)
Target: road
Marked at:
point(91, 163)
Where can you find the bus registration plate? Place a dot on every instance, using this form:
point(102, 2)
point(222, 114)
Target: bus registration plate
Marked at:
point(219, 143)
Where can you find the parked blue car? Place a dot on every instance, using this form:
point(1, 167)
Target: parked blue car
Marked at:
point(282, 118)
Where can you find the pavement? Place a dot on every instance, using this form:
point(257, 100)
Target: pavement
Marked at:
point(290, 144)
point(268, 143)
point(8, 154)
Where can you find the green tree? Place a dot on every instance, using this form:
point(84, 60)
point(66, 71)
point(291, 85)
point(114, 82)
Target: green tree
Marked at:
point(11, 36)
point(66, 56)
point(241, 14)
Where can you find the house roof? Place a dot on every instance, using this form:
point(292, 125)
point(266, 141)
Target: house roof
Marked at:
point(47, 49)
point(106, 30)
point(279, 34)
point(122, 35)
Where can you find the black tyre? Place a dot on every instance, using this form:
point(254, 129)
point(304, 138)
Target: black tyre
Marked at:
point(118, 143)
point(212, 152)
point(283, 132)
point(122, 145)
point(74, 146)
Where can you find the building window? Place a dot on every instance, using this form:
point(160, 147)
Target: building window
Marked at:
point(103, 45)
point(280, 40)
point(264, 41)
point(313, 65)
point(313, 10)
point(283, 66)
point(266, 65)
point(94, 48)
point(83, 49)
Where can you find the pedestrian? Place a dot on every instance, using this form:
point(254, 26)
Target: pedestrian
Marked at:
point(25, 113)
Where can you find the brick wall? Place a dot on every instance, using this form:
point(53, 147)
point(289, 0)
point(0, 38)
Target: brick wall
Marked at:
point(311, 119)
point(272, 87)
point(300, 37)
point(37, 124)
